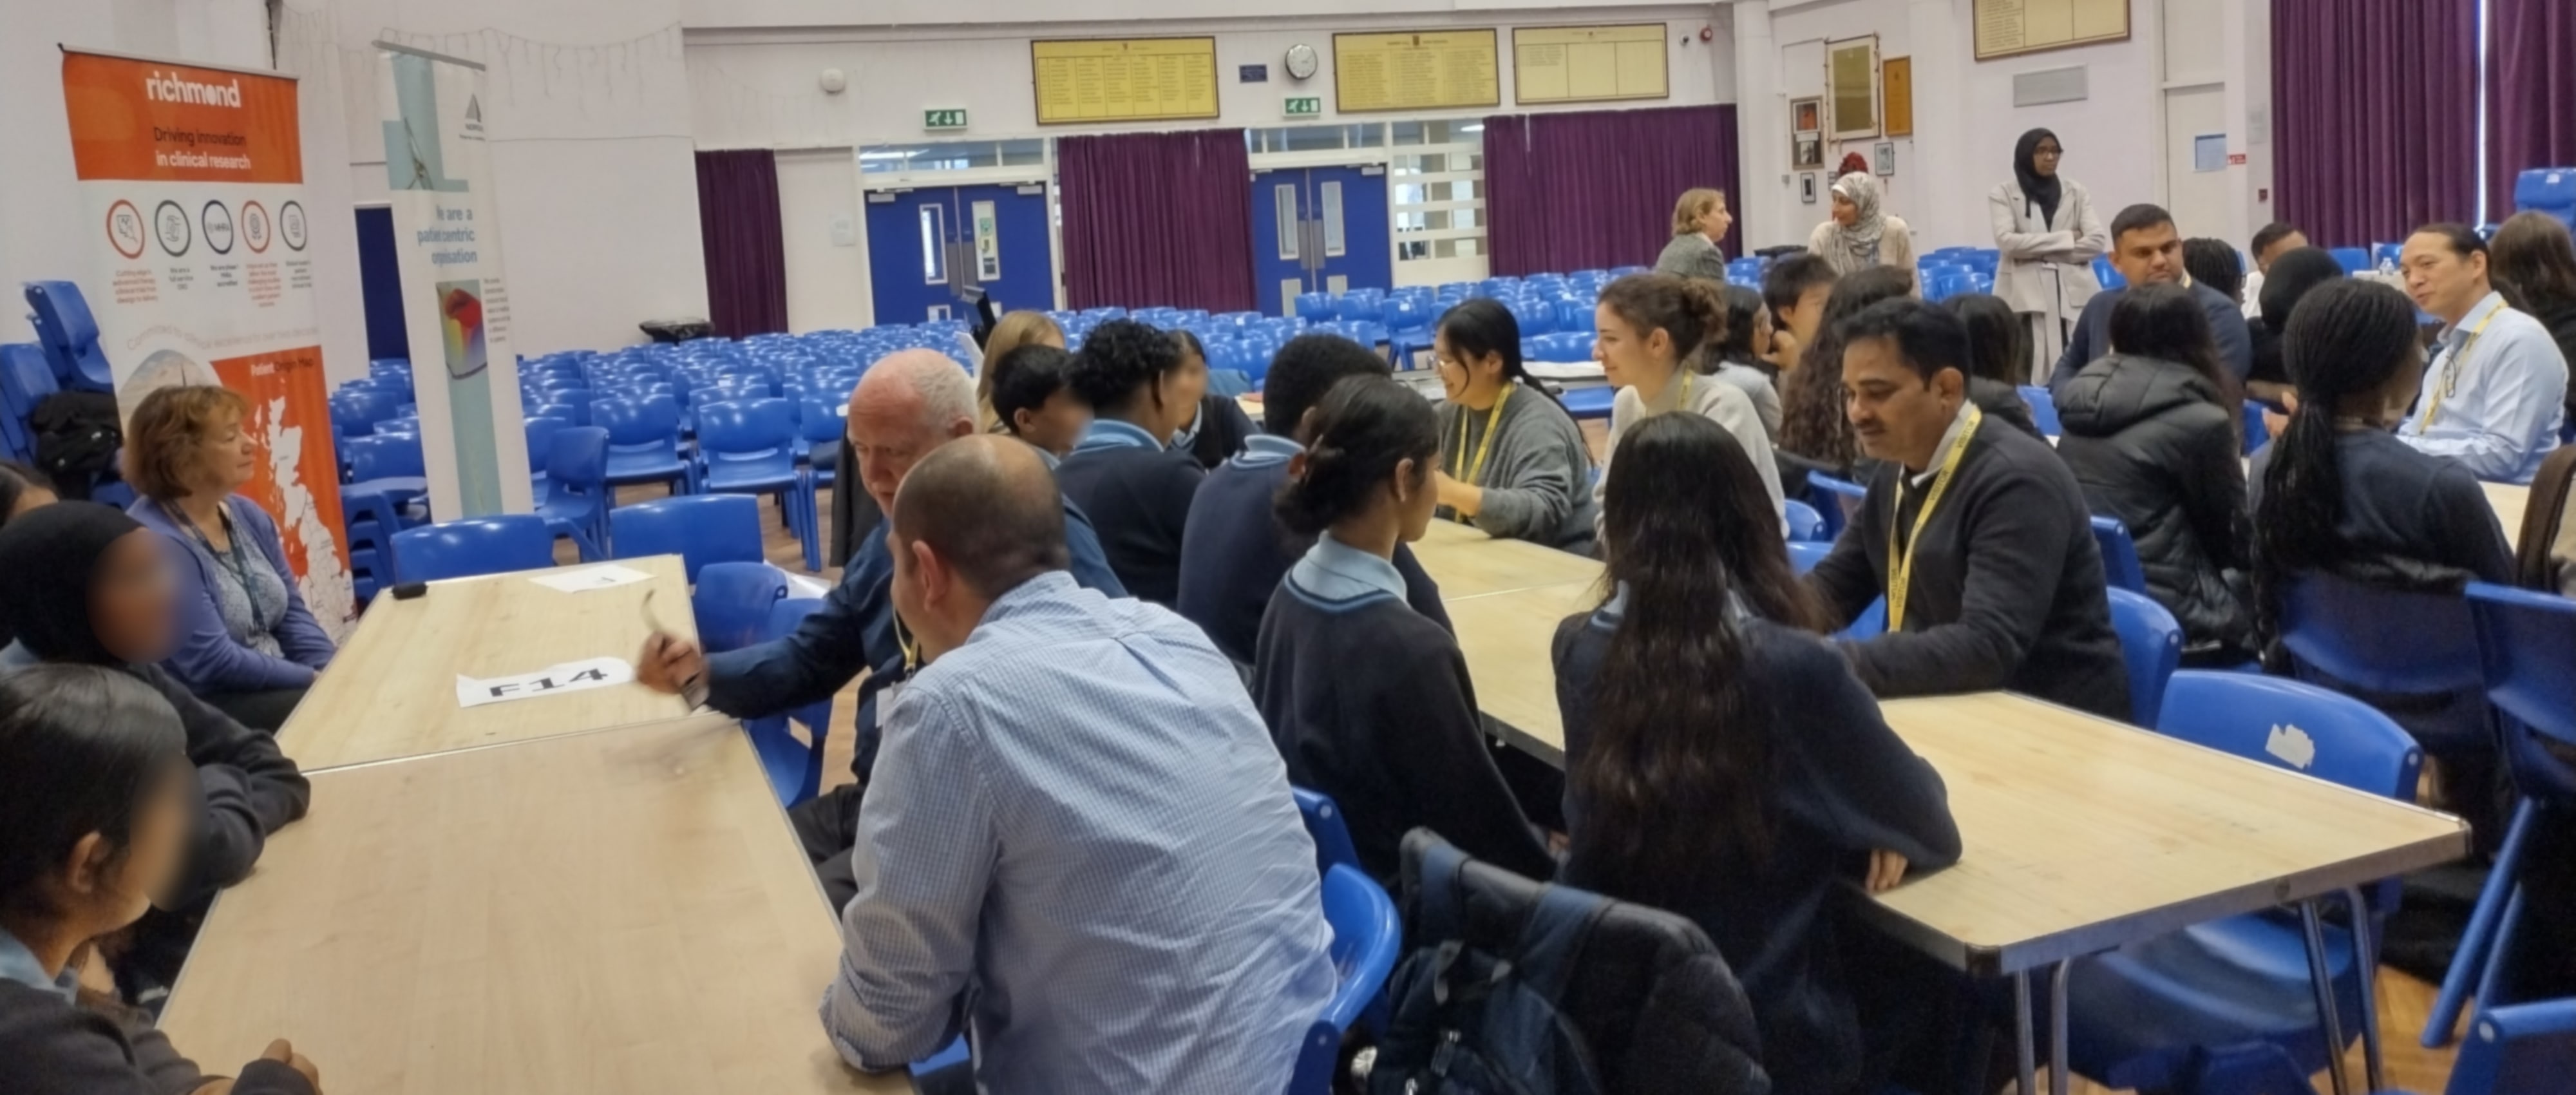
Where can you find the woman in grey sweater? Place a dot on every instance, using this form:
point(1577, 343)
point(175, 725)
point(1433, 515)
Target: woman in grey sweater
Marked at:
point(1700, 220)
point(1512, 462)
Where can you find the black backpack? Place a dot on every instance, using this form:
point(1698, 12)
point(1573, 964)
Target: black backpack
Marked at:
point(76, 436)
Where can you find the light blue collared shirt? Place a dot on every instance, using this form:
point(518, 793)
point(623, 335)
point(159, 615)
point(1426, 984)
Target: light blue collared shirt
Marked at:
point(1264, 448)
point(1080, 835)
point(1110, 433)
point(2503, 416)
point(1334, 571)
point(19, 964)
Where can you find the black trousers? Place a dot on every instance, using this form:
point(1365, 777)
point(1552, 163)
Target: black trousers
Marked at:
point(828, 827)
point(263, 711)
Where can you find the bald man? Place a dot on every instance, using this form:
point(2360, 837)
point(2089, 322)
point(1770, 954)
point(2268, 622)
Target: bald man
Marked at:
point(907, 405)
point(1079, 829)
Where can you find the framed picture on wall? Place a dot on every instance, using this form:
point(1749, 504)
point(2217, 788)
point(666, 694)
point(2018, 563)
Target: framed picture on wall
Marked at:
point(1883, 158)
point(1806, 116)
point(1807, 153)
point(1807, 188)
point(1851, 78)
point(1896, 96)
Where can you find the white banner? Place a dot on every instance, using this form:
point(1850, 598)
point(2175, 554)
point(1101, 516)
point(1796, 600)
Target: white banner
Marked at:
point(456, 306)
point(195, 185)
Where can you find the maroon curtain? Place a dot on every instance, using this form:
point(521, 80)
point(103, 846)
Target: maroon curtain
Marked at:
point(2531, 93)
point(2374, 115)
point(746, 255)
point(1595, 189)
point(1157, 220)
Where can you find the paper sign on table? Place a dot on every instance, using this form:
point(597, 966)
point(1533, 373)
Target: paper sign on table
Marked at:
point(568, 677)
point(585, 579)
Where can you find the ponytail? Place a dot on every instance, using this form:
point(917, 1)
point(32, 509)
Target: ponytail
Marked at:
point(2345, 338)
point(1364, 428)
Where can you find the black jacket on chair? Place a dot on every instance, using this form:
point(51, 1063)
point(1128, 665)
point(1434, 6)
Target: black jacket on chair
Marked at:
point(2151, 444)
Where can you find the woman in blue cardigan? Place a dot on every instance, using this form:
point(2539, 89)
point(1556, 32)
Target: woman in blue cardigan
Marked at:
point(248, 646)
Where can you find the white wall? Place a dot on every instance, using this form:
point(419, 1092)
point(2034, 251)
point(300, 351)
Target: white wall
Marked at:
point(827, 275)
point(900, 13)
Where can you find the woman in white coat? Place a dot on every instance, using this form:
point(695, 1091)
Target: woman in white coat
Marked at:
point(2049, 236)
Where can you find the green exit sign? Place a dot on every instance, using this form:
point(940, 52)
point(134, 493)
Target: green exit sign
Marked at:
point(943, 119)
point(1307, 107)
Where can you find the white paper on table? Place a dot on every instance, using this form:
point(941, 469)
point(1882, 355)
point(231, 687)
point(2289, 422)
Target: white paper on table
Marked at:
point(568, 677)
point(585, 579)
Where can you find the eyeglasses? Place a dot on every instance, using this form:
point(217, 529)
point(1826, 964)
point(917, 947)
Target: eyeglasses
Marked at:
point(2048, 150)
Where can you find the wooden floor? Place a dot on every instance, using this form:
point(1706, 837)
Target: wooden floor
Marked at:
point(2404, 1001)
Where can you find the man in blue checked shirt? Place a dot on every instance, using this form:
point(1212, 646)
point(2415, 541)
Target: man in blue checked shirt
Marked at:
point(1079, 841)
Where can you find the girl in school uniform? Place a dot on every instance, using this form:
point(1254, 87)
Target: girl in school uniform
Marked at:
point(1512, 461)
point(95, 797)
point(1649, 325)
point(1367, 699)
point(1700, 690)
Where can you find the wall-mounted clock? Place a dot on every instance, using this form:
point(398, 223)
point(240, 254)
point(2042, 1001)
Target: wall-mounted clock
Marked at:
point(1302, 61)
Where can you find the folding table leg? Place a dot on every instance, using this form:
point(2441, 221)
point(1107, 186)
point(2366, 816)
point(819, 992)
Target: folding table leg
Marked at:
point(2022, 1032)
point(2059, 1075)
point(2365, 963)
point(2322, 977)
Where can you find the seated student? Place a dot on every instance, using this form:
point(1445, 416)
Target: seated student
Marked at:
point(94, 805)
point(1977, 537)
point(81, 583)
point(248, 645)
point(2154, 435)
point(2147, 251)
point(1648, 325)
point(1998, 348)
point(1216, 434)
point(2494, 396)
point(1795, 288)
point(1234, 552)
point(1078, 846)
point(1736, 357)
point(1699, 690)
point(1033, 400)
point(2270, 242)
point(1512, 461)
point(906, 405)
point(1813, 428)
point(1123, 473)
point(1368, 701)
point(1021, 328)
point(2216, 264)
point(2293, 276)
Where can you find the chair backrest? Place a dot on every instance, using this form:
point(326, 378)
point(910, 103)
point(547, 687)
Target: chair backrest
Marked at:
point(795, 767)
point(577, 457)
point(821, 425)
point(1805, 524)
point(1805, 554)
point(639, 420)
point(541, 441)
point(2120, 566)
point(732, 602)
point(1324, 823)
point(699, 528)
point(25, 380)
point(2150, 644)
point(2378, 639)
point(2294, 725)
point(475, 545)
point(2550, 190)
point(2043, 408)
point(2524, 640)
point(2520, 1049)
point(385, 456)
point(1366, 939)
point(68, 335)
point(745, 426)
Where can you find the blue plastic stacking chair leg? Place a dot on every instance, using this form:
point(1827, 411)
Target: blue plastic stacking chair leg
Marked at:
point(2491, 982)
point(2477, 943)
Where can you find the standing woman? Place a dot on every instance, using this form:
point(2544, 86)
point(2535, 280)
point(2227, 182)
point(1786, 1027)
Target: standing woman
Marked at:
point(1367, 699)
point(1512, 461)
point(2049, 236)
point(1648, 325)
point(1700, 221)
point(247, 644)
point(1859, 236)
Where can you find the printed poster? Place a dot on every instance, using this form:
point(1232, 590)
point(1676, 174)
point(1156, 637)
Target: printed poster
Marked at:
point(194, 180)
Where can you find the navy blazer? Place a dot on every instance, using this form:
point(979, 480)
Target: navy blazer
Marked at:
point(2091, 340)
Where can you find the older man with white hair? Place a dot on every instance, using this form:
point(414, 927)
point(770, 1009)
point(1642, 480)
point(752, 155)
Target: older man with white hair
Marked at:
point(907, 405)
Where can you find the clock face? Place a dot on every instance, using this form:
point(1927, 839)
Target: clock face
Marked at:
point(1301, 61)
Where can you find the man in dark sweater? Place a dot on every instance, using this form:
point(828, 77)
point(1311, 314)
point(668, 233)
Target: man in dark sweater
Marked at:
point(2148, 251)
point(1123, 473)
point(1976, 534)
point(1234, 552)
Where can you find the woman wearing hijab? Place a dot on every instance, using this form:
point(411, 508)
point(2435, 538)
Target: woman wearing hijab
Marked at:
point(84, 584)
point(2048, 237)
point(1859, 236)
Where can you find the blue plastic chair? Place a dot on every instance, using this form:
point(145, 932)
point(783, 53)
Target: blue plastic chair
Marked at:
point(68, 335)
point(2354, 260)
point(821, 429)
point(2120, 566)
point(2382, 644)
point(476, 545)
point(643, 440)
point(699, 528)
point(1331, 834)
point(1366, 937)
point(2257, 434)
point(1805, 524)
point(25, 379)
point(2550, 190)
point(541, 447)
point(1592, 402)
point(2230, 1006)
point(577, 477)
point(1835, 499)
point(2523, 641)
point(749, 447)
point(2151, 645)
point(732, 601)
point(2527, 1049)
point(795, 767)
point(369, 520)
point(2043, 408)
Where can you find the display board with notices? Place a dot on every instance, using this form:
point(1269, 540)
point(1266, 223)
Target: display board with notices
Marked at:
point(1588, 64)
point(2009, 27)
point(1415, 70)
point(1124, 79)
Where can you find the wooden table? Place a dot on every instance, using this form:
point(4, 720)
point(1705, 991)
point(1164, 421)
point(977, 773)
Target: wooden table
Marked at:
point(622, 912)
point(391, 690)
point(1468, 563)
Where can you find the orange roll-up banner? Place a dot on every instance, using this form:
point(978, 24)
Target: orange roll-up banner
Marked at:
point(195, 182)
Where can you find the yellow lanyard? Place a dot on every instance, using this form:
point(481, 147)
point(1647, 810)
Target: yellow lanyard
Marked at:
point(2451, 369)
point(1900, 565)
point(1474, 473)
point(911, 653)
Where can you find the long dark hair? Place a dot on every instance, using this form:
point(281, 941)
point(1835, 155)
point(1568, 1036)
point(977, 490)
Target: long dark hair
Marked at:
point(2348, 337)
point(1364, 427)
point(1689, 535)
point(1811, 412)
point(1998, 340)
point(81, 747)
point(2295, 273)
point(2164, 322)
point(2215, 263)
point(1743, 308)
point(1484, 326)
point(2533, 253)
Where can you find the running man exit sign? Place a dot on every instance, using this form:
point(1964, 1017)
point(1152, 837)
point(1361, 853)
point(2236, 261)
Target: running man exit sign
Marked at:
point(1311, 106)
point(943, 119)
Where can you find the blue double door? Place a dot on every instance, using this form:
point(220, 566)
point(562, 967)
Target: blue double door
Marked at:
point(926, 246)
point(1318, 230)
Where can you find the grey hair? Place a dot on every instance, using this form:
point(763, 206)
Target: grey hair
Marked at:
point(947, 394)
